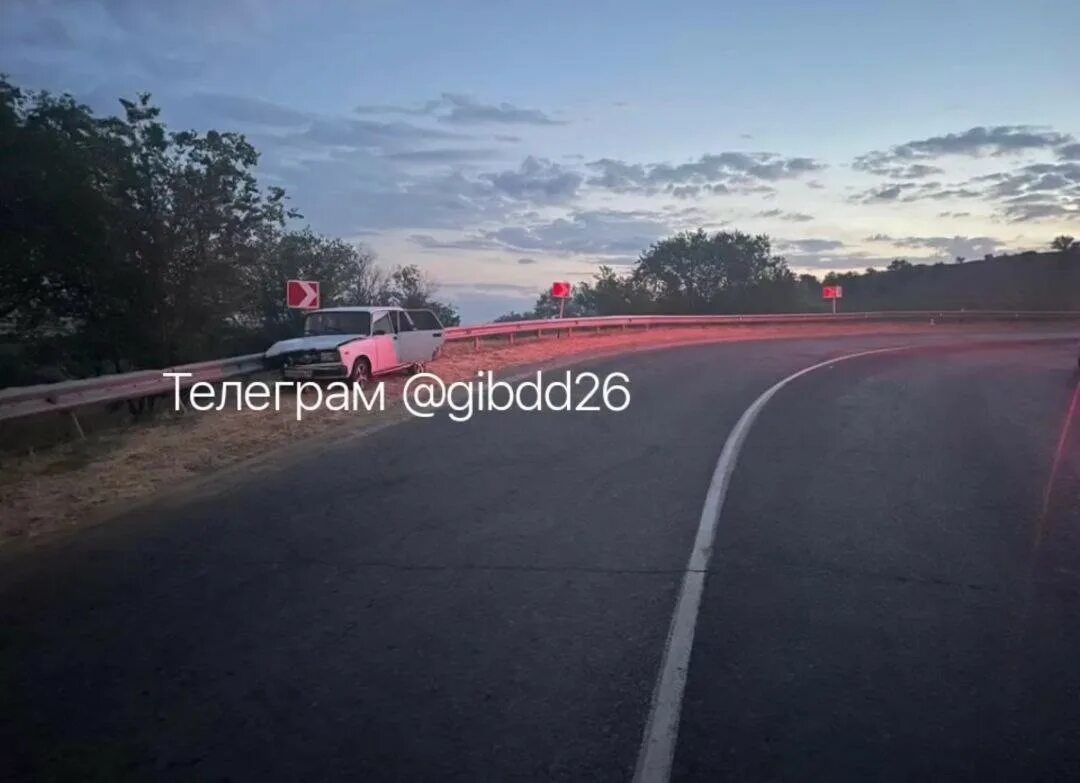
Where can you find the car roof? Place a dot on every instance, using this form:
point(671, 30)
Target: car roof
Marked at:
point(355, 309)
point(367, 309)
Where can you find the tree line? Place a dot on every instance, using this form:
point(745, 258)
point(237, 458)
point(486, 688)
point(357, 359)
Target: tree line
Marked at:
point(126, 245)
point(696, 272)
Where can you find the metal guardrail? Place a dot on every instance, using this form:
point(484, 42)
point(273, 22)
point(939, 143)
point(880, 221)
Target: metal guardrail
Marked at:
point(609, 321)
point(68, 395)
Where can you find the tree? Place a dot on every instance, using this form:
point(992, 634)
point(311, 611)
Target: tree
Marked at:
point(347, 275)
point(1063, 244)
point(514, 316)
point(411, 287)
point(548, 306)
point(899, 265)
point(124, 245)
point(695, 272)
point(611, 293)
point(55, 219)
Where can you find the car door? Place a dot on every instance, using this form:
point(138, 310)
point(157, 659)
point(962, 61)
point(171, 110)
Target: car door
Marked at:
point(412, 344)
point(384, 337)
point(428, 325)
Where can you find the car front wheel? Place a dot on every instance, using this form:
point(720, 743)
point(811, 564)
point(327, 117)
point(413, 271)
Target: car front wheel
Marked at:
point(361, 372)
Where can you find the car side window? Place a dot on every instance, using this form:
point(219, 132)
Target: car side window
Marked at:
point(425, 320)
point(382, 325)
point(404, 323)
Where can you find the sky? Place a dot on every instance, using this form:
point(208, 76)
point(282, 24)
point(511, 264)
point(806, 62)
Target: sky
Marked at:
point(504, 145)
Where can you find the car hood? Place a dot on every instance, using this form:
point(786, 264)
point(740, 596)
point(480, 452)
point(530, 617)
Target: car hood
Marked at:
point(322, 342)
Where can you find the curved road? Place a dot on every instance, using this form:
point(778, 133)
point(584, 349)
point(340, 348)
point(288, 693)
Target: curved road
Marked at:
point(893, 592)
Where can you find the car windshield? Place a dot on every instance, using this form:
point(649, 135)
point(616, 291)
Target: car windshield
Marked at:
point(337, 323)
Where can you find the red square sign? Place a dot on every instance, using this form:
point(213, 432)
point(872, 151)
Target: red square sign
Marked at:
point(560, 290)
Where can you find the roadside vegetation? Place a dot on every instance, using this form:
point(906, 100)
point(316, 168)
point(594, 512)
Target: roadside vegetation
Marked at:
point(126, 245)
point(732, 272)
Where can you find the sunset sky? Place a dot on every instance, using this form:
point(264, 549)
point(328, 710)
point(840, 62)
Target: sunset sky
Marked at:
point(503, 145)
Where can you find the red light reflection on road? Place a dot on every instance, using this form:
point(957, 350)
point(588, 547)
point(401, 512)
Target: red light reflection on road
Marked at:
point(1059, 454)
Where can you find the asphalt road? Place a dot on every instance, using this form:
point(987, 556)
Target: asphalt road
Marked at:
point(893, 592)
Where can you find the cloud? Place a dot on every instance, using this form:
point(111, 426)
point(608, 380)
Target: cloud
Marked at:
point(969, 247)
point(689, 216)
point(882, 193)
point(252, 111)
point(794, 217)
point(684, 191)
point(1046, 177)
point(834, 254)
point(810, 245)
point(527, 290)
point(463, 110)
point(442, 155)
point(425, 109)
point(460, 109)
point(975, 142)
point(938, 194)
point(428, 242)
point(1021, 212)
point(911, 191)
point(845, 259)
point(346, 189)
point(1032, 192)
point(718, 173)
point(1035, 192)
point(368, 134)
point(886, 169)
point(608, 233)
point(617, 175)
point(830, 260)
point(617, 236)
point(537, 180)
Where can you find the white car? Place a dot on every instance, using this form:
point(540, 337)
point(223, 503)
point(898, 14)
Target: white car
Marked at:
point(359, 343)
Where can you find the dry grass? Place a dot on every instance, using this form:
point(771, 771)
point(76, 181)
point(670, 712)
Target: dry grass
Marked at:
point(66, 485)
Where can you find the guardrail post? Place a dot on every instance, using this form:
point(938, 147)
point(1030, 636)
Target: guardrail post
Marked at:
point(476, 344)
point(78, 427)
point(511, 336)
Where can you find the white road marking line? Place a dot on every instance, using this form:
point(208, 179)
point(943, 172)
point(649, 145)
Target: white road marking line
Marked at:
point(657, 752)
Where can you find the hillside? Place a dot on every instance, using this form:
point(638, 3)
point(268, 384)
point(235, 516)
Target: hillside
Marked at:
point(1027, 281)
